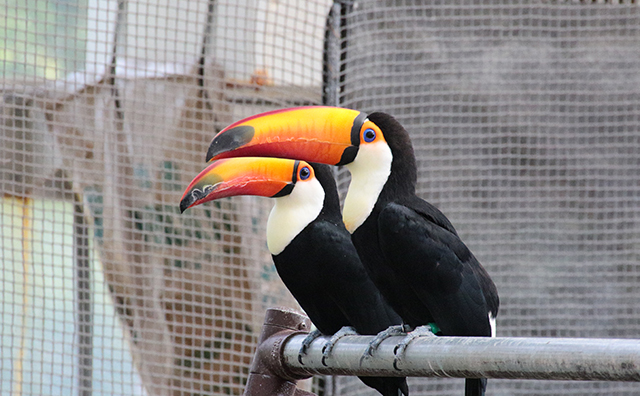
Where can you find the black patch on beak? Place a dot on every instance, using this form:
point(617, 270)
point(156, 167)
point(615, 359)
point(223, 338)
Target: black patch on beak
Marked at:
point(286, 190)
point(187, 201)
point(349, 154)
point(195, 195)
point(230, 140)
point(355, 128)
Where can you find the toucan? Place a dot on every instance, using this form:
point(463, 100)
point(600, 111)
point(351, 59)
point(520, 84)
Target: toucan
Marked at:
point(310, 246)
point(410, 249)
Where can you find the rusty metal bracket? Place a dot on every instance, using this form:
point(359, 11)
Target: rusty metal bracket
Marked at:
point(269, 375)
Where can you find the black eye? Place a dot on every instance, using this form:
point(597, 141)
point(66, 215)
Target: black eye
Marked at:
point(369, 135)
point(305, 172)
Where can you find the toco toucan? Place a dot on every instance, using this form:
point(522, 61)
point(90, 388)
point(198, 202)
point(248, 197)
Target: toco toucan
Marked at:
point(311, 248)
point(409, 247)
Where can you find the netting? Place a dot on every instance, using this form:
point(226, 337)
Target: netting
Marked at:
point(108, 108)
point(525, 118)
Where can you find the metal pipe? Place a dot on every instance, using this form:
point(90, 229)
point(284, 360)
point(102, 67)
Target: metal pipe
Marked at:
point(26, 204)
point(476, 357)
point(84, 296)
point(209, 30)
point(111, 76)
point(331, 57)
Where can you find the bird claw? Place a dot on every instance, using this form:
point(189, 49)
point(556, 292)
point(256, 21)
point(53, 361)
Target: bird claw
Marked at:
point(328, 347)
point(401, 348)
point(381, 336)
point(306, 343)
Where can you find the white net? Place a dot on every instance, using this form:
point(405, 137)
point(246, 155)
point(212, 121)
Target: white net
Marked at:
point(107, 111)
point(525, 117)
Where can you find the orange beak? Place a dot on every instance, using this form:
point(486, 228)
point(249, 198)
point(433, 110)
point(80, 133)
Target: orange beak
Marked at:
point(266, 177)
point(328, 135)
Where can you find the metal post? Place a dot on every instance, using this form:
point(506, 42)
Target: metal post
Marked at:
point(335, 52)
point(209, 30)
point(331, 61)
point(84, 296)
point(111, 76)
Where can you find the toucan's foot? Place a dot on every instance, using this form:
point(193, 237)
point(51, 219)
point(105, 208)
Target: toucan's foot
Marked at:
point(328, 347)
point(306, 343)
point(381, 336)
point(399, 350)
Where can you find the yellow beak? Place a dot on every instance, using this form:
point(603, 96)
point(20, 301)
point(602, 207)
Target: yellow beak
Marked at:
point(329, 135)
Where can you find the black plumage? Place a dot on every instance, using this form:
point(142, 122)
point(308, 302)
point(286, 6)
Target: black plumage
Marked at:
point(321, 268)
point(417, 259)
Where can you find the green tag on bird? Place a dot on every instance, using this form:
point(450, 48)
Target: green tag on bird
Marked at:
point(434, 328)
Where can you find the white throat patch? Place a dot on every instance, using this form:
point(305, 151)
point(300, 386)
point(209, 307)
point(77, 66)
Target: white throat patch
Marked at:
point(292, 213)
point(369, 172)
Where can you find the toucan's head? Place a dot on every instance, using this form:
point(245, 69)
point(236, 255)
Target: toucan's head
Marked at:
point(266, 177)
point(299, 195)
point(366, 144)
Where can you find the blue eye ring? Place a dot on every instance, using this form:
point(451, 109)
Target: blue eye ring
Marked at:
point(304, 173)
point(369, 135)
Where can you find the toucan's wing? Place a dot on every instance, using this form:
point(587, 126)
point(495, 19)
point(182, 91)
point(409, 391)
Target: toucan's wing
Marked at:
point(322, 270)
point(437, 266)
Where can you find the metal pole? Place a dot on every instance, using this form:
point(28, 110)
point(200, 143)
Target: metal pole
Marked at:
point(331, 66)
point(84, 295)
point(335, 52)
point(476, 357)
point(26, 204)
point(111, 76)
point(209, 30)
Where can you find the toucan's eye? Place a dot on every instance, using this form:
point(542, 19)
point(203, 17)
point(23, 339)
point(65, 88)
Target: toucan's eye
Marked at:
point(305, 172)
point(369, 135)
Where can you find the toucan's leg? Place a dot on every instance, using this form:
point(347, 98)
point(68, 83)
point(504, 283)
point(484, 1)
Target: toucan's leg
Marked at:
point(381, 336)
point(306, 343)
point(420, 331)
point(328, 347)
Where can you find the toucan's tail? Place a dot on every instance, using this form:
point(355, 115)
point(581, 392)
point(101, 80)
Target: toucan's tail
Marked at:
point(475, 386)
point(388, 386)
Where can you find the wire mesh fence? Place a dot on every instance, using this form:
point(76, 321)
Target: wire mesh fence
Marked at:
point(526, 125)
point(108, 107)
point(525, 118)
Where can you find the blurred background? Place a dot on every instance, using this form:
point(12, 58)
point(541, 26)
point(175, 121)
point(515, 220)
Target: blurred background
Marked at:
point(525, 118)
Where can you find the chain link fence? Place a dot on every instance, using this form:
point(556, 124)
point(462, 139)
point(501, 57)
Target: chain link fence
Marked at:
point(525, 118)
